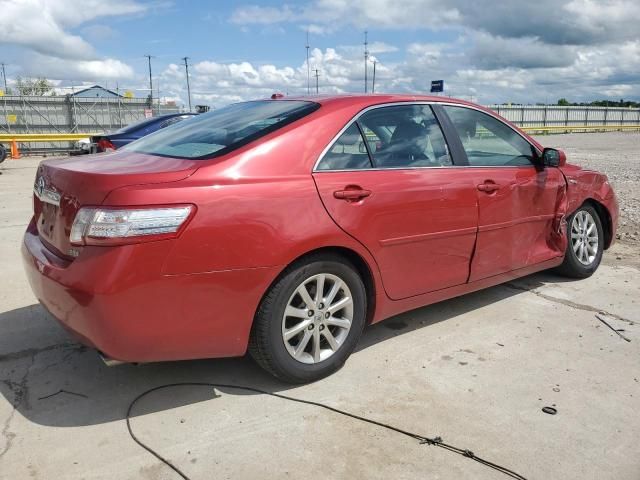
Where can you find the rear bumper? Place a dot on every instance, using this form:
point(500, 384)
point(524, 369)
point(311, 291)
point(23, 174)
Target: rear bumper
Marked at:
point(117, 300)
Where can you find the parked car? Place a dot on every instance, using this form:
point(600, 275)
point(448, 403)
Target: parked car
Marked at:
point(283, 227)
point(134, 131)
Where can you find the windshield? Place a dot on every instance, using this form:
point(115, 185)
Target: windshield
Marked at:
point(221, 131)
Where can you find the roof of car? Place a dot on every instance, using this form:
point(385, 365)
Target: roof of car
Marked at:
point(374, 98)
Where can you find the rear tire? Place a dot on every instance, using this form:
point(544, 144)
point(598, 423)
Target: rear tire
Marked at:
point(299, 335)
point(585, 243)
point(3, 153)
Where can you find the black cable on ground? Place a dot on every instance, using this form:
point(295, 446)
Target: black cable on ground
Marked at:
point(436, 441)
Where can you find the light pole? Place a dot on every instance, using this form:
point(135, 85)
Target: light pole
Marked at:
point(4, 77)
point(149, 57)
point(373, 85)
point(308, 66)
point(366, 60)
point(186, 69)
point(317, 75)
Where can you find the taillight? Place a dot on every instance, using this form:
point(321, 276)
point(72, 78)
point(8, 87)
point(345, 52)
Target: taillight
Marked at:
point(104, 145)
point(117, 226)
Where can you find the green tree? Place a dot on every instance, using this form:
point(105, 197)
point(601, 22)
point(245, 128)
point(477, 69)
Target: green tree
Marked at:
point(563, 102)
point(33, 86)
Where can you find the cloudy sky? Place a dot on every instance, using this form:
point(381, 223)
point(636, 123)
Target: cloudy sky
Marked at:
point(488, 50)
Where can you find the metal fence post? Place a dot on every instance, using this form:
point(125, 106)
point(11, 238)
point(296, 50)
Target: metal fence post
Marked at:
point(6, 116)
point(566, 117)
point(72, 113)
point(606, 111)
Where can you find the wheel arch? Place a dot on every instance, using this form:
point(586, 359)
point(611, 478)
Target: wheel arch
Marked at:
point(605, 219)
point(361, 265)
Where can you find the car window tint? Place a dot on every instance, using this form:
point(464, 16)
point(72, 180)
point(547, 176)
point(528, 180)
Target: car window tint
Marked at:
point(405, 136)
point(347, 153)
point(488, 141)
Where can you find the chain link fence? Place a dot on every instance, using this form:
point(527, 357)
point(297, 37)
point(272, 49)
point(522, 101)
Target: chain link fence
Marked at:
point(70, 114)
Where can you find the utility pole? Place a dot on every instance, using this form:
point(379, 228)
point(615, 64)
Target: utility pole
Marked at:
point(149, 57)
point(317, 74)
point(366, 60)
point(186, 69)
point(308, 66)
point(4, 77)
point(373, 85)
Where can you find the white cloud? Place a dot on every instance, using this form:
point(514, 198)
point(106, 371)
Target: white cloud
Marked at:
point(333, 13)
point(37, 65)
point(42, 25)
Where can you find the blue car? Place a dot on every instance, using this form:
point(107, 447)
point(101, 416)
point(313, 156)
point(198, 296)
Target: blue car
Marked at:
point(134, 131)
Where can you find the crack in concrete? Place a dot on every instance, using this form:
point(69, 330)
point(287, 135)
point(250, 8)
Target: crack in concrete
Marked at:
point(569, 303)
point(20, 392)
point(31, 352)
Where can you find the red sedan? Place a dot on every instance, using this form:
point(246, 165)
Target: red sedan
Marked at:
point(284, 226)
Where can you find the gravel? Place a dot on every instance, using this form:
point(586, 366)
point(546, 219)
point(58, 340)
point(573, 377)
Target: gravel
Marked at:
point(616, 154)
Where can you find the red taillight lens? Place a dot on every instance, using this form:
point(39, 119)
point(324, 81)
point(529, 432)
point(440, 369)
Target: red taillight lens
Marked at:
point(117, 226)
point(104, 145)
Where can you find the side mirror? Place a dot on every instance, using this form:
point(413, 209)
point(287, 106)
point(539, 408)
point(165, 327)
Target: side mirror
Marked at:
point(553, 157)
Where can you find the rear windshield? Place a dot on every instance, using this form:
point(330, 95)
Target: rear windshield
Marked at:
point(221, 131)
point(135, 125)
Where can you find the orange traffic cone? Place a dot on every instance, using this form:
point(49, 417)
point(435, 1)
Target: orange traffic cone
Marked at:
point(15, 153)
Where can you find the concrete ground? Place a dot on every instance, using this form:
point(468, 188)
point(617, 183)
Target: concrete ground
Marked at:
point(476, 370)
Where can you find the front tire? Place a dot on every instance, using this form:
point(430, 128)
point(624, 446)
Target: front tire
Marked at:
point(310, 320)
point(585, 243)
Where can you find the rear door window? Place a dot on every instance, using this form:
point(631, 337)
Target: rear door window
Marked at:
point(402, 136)
point(349, 152)
point(405, 136)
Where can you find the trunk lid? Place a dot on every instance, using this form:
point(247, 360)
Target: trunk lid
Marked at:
point(63, 186)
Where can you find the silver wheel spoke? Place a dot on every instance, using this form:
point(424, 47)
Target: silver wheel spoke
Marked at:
point(302, 345)
point(337, 285)
point(316, 345)
point(339, 305)
point(331, 340)
point(319, 289)
point(296, 312)
point(339, 322)
point(293, 331)
point(306, 298)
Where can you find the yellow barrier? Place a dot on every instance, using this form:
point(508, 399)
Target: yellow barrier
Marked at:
point(580, 128)
point(43, 137)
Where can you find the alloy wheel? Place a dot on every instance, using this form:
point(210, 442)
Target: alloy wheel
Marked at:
point(317, 319)
point(584, 237)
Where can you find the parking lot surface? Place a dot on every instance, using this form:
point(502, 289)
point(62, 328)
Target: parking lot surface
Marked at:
point(476, 370)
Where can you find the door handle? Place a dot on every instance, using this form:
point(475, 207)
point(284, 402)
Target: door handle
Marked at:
point(488, 187)
point(352, 194)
